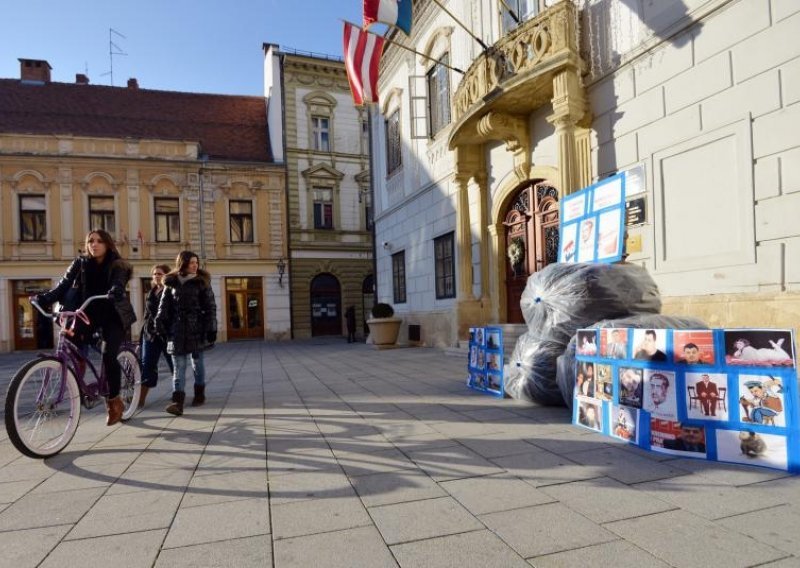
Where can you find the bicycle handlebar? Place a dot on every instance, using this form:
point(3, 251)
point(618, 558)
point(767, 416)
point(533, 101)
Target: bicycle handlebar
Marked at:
point(88, 301)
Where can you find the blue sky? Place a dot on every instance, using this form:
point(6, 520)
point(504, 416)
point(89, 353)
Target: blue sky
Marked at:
point(176, 45)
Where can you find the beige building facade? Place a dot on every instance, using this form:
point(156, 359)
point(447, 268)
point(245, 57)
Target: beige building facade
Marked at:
point(328, 191)
point(696, 97)
point(162, 172)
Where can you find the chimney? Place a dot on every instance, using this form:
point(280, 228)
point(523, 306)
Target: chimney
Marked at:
point(81, 79)
point(34, 70)
point(133, 83)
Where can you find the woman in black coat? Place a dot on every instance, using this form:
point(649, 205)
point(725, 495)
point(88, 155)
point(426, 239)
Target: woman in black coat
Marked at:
point(153, 345)
point(187, 317)
point(101, 272)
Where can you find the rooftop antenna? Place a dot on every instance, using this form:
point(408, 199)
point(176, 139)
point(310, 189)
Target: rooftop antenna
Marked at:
point(113, 49)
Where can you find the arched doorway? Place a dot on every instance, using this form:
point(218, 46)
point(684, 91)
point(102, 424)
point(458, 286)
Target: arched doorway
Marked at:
point(531, 237)
point(326, 305)
point(367, 300)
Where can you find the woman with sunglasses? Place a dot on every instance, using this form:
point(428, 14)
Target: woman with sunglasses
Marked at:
point(102, 271)
point(153, 345)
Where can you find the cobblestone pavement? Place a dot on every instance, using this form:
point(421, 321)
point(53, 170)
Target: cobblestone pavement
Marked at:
point(324, 454)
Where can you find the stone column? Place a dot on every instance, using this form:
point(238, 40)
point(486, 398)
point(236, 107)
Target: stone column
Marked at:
point(569, 106)
point(134, 213)
point(67, 237)
point(463, 239)
point(481, 179)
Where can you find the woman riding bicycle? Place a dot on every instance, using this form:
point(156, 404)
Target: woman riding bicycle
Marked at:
point(153, 345)
point(101, 272)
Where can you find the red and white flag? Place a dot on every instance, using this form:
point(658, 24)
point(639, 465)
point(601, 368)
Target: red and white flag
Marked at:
point(362, 56)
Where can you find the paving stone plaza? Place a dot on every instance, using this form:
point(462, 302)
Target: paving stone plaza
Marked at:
point(324, 454)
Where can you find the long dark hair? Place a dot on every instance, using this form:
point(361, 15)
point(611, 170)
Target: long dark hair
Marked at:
point(183, 259)
point(107, 239)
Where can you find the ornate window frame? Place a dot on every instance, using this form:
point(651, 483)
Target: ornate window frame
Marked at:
point(320, 104)
point(28, 183)
point(323, 176)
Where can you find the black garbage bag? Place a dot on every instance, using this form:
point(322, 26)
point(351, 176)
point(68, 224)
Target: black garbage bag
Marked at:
point(567, 364)
point(556, 302)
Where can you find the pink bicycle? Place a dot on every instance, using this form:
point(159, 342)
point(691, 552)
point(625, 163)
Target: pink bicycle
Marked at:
point(43, 402)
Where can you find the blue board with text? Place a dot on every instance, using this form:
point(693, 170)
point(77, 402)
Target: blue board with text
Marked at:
point(727, 395)
point(485, 364)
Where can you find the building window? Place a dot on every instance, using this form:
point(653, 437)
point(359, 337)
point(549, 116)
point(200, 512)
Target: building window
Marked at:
point(393, 155)
point(320, 131)
point(323, 208)
point(101, 214)
point(168, 220)
point(524, 9)
point(399, 277)
point(241, 221)
point(32, 218)
point(438, 81)
point(368, 220)
point(445, 266)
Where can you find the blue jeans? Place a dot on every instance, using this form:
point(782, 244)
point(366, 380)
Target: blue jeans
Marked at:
point(152, 350)
point(179, 375)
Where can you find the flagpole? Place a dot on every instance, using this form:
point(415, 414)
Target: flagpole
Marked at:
point(466, 29)
point(511, 12)
point(401, 46)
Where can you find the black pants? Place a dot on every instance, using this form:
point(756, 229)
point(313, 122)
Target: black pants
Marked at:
point(351, 335)
point(103, 316)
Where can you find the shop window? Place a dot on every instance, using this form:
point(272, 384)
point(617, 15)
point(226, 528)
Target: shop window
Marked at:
point(438, 82)
point(32, 218)
point(393, 153)
point(443, 249)
point(399, 277)
point(241, 219)
point(320, 132)
point(168, 220)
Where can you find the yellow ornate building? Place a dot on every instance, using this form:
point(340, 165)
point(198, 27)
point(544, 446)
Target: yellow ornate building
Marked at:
point(162, 172)
point(328, 188)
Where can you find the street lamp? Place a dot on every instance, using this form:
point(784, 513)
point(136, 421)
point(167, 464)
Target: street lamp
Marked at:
point(281, 270)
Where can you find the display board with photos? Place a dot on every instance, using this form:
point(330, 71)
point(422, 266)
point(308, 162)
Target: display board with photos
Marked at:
point(485, 364)
point(727, 395)
point(592, 222)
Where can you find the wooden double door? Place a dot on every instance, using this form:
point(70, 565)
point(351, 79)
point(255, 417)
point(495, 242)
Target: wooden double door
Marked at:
point(531, 239)
point(245, 299)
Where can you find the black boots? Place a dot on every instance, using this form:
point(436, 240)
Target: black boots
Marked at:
point(176, 408)
point(199, 395)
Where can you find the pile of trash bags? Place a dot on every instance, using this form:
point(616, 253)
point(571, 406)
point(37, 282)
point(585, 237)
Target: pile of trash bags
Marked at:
point(562, 298)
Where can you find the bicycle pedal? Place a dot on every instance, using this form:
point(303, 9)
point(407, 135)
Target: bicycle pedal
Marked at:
point(89, 402)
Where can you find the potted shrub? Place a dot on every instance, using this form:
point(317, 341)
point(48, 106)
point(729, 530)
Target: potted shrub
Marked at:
point(384, 327)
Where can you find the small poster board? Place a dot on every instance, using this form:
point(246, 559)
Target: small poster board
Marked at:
point(727, 395)
point(485, 364)
point(592, 222)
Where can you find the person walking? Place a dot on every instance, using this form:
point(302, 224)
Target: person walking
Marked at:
point(100, 272)
point(350, 319)
point(187, 318)
point(153, 345)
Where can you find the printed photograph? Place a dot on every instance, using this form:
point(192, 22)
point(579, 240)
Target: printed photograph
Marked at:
point(759, 347)
point(472, 335)
point(494, 361)
point(614, 343)
point(630, 387)
point(584, 381)
point(493, 339)
point(650, 345)
point(659, 394)
point(494, 382)
point(590, 414)
point(587, 239)
point(481, 363)
point(473, 356)
point(604, 382)
point(624, 423)
point(707, 396)
point(476, 380)
point(761, 400)
point(752, 448)
point(671, 437)
point(694, 347)
point(479, 335)
point(610, 234)
point(586, 342)
point(568, 242)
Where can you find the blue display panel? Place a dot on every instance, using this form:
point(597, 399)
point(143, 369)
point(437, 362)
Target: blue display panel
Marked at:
point(485, 363)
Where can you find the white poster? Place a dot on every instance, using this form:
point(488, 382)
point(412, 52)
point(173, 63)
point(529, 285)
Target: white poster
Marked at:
point(574, 207)
point(607, 194)
point(610, 229)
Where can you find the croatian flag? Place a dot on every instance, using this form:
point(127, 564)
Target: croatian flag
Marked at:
point(391, 12)
point(362, 55)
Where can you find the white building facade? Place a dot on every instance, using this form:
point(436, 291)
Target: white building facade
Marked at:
point(697, 97)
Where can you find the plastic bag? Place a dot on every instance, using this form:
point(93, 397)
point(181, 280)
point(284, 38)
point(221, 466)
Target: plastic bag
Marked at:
point(567, 364)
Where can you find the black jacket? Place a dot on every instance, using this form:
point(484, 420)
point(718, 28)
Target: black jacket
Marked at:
point(151, 303)
point(187, 313)
point(71, 290)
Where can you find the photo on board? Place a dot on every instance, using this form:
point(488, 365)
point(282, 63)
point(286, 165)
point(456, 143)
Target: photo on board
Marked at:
point(604, 382)
point(761, 400)
point(585, 379)
point(671, 437)
point(650, 345)
point(625, 423)
point(586, 343)
point(752, 448)
point(630, 386)
point(707, 396)
point(660, 398)
point(693, 347)
point(590, 414)
point(614, 343)
point(759, 347)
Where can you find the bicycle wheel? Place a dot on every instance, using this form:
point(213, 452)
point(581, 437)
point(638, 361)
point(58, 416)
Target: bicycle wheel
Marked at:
point(36, 423)
point(130, 383)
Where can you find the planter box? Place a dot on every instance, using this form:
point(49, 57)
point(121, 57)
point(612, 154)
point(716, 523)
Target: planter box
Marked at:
point(384, 331)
